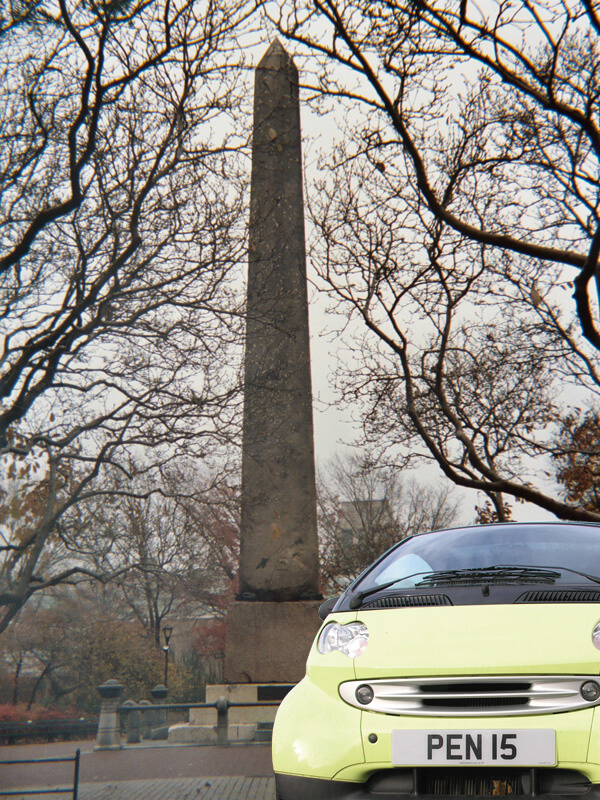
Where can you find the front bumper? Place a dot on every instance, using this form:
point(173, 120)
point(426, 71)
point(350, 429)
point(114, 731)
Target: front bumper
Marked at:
point(324, 749)
point(444, 784)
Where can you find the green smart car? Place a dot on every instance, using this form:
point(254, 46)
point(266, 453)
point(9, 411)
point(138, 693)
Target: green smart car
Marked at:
point(463, 662)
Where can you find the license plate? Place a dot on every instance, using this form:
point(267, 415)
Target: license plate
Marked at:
point(511, 748)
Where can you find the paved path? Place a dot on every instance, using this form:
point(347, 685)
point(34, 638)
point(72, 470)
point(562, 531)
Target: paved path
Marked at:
point(219, 788)
point(145, 772)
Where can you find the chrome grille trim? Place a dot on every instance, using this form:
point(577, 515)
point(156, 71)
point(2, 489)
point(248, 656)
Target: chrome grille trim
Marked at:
point(483, 696)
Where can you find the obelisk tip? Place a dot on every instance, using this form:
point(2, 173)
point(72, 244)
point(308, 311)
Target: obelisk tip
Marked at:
point(276, 57)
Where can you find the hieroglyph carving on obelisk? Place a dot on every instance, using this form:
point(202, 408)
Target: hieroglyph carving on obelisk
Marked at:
point(279, 550)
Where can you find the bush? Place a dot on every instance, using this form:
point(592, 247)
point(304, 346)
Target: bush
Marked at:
point(107, 650)
point(20, 713)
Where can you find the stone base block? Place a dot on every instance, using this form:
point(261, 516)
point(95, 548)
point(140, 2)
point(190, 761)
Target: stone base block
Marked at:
point(207, 734)
point(203, 716)
point(241, 733)
point(264, 732)
point(192, 734)
point(247, 692)
point(237, 716)
point(269, 642)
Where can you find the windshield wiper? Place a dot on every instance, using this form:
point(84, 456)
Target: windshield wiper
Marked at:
point(357, 599)
point(504, 573)
point(593, 578)
point(498, 574)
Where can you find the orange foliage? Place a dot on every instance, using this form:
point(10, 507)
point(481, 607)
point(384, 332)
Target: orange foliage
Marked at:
point(578, 469)
point(209, 637)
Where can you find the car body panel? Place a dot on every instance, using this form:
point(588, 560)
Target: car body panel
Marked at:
point(470, 640)
point(593, 755)
point(303, 745)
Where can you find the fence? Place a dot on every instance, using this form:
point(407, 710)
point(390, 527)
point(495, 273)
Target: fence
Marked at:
point(72, 791)
point(146, 716)
point(47, 730)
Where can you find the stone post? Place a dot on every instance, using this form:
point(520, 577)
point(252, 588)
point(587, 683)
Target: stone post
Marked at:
point(132, 723)
point(109, 728)
point(147, 715)
point(160, 729)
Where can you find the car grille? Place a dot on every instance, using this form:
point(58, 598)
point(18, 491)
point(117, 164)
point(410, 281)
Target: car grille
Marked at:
point(469, 697)
point(408, 601)
point(477, 782)
point(560, 596)
point(471, 782)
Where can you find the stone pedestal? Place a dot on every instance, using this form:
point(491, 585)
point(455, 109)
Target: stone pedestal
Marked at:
point(245, 723)
point(265, 653)
point(109, 728)
point(269, 642)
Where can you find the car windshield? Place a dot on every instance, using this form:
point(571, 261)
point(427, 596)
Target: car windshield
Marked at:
point(567, 547)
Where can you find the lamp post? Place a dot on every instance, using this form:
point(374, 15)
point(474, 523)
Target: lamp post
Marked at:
point(167, 631)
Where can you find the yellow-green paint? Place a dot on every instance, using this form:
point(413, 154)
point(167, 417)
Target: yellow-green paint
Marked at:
point(522, 638)
point(316, 733)
point(319, 735)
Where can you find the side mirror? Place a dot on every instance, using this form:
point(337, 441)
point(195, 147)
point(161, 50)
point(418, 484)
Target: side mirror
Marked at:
point(326, 608)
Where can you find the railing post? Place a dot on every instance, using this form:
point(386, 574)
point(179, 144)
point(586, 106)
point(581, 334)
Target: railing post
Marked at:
point(132, 722)
point(76, 774)
point(222, 720)
point(109, 729)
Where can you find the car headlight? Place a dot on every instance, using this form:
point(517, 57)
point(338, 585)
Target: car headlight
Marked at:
point(596, 636)
point(350, 639)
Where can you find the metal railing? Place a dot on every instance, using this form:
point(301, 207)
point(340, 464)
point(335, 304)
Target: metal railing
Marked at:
point(222, 706)
point(73, 791)
point(144, 717)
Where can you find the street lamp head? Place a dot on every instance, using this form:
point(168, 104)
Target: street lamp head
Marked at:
point(167, 631)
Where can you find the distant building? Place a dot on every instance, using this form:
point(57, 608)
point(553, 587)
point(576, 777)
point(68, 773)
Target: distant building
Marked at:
point(360, 532)
point(364, 518)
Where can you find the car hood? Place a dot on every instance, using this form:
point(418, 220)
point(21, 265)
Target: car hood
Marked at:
point(480, 640)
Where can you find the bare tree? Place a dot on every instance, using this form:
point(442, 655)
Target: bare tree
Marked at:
point(165, 554)
point(364, 509)
point(33, 650)
point(143, 542)
point(453, 220)
point(121, 236)
point(212, 512)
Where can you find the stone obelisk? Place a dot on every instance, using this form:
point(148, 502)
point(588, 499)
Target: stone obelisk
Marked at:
point(279, 569)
